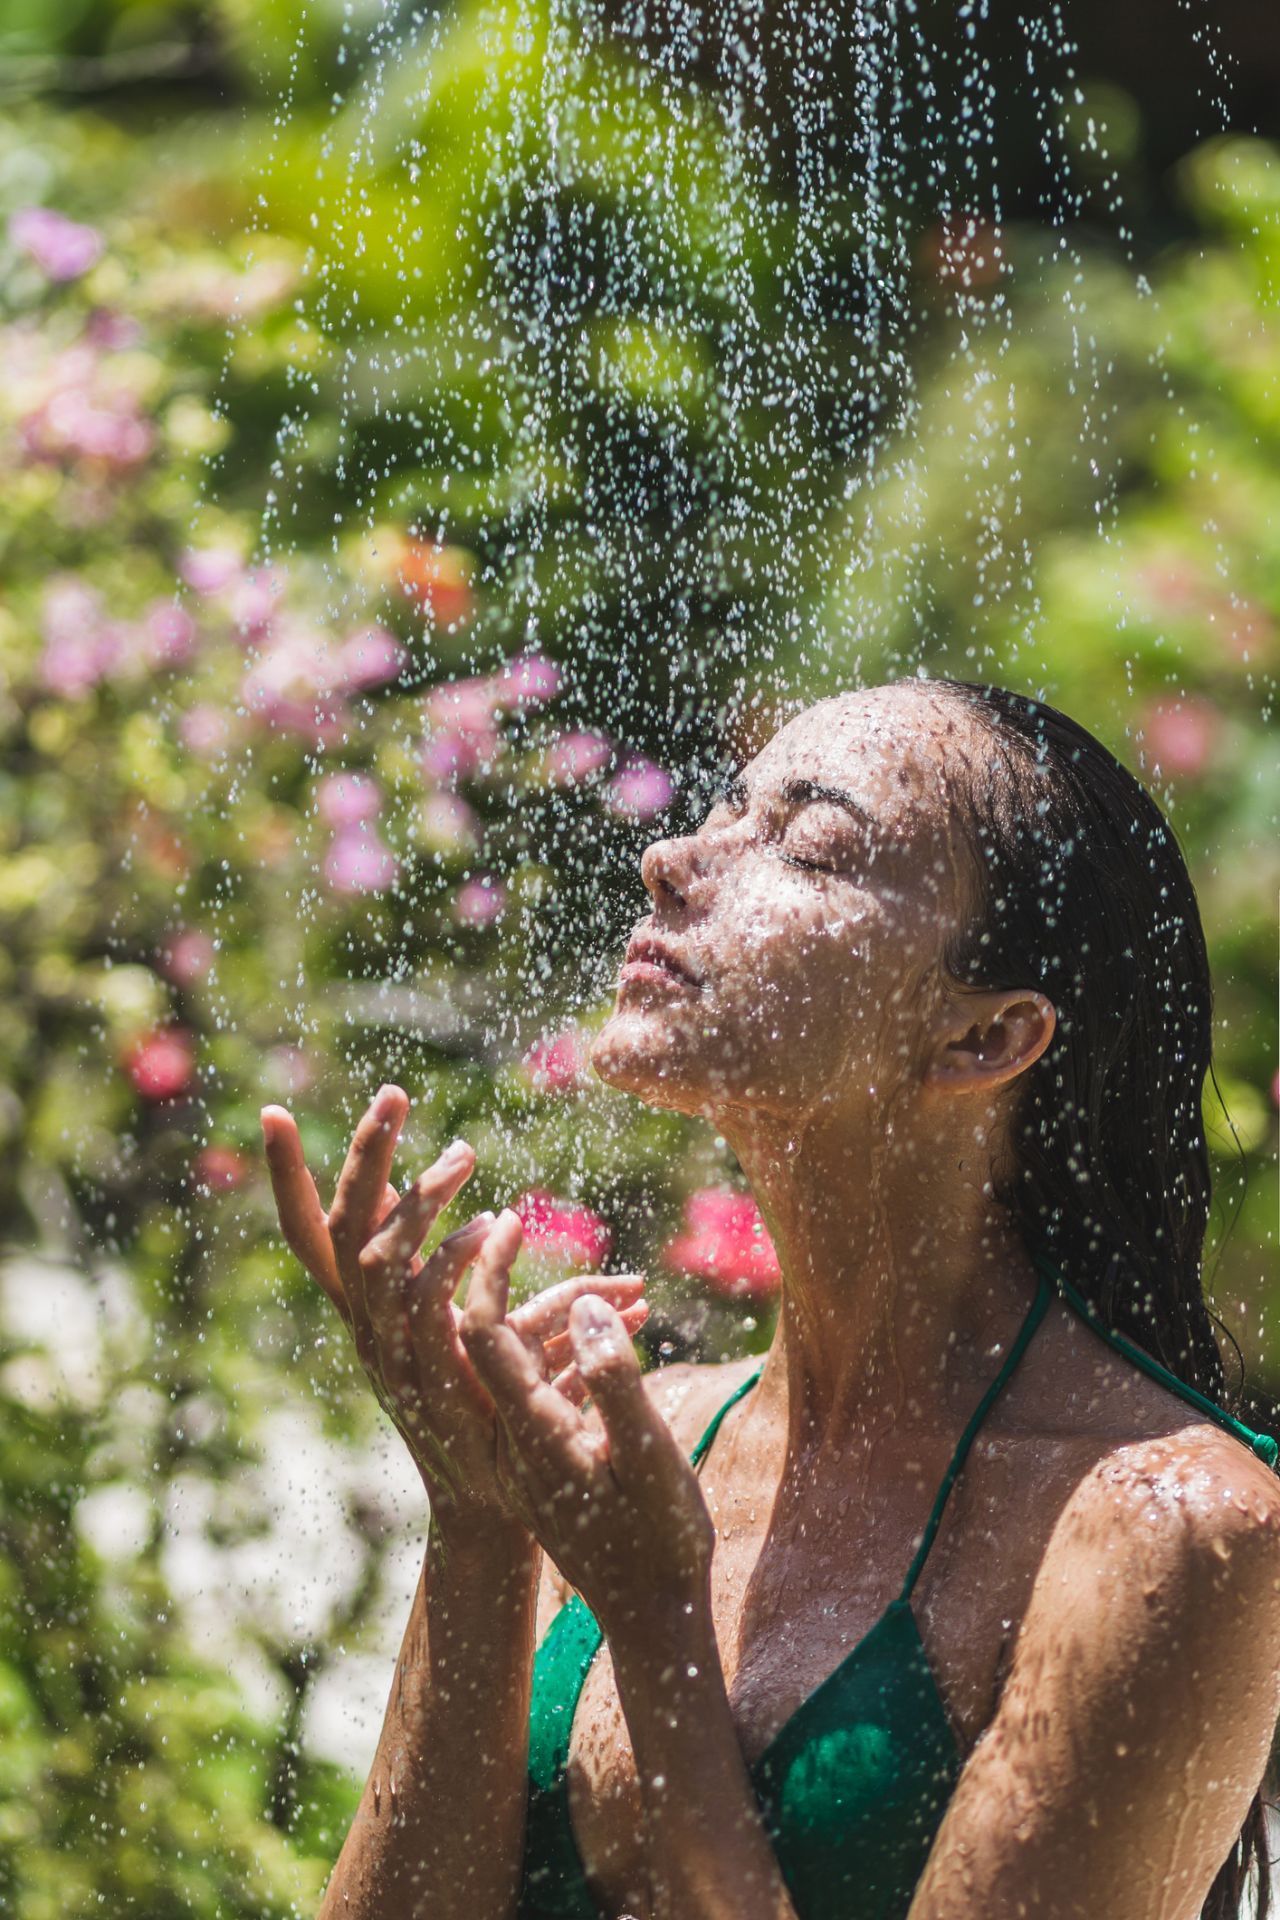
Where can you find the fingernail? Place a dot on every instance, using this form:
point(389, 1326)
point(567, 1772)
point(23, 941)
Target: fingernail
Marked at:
point(455, 1151)
point(474, 1229)
point(593, 1316)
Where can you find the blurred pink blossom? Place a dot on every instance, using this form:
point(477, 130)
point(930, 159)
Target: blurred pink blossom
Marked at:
point(170, 634)
point(529, 679)
point(293, 685)
point(574, 757)
point(724, 1243)
point(161, 1064)
point(81, 646)
point(466, 705)
point(82, 422)
point(640, 790)
point(204, 730)
point(453, 753)
point(288, 1070)
point(186, 957)
point(219, 1169)
point(1171, 581)
point(347, 799)
point(370, 657)
point(479, 902)
point(111, 331)
point(358, 861)
point(562, 1228)
point(211, 569)
point(251, 601)
point(63, 249)
point(557, 1062)
point(1181, 734)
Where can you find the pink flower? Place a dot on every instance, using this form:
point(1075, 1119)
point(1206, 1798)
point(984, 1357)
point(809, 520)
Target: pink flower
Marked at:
point(161, 1064)
point(556, 1063)
point(574, 757)
point(358, 861)
point(112, 331)
point(452, 754)
point(466, 705)
point(449, 825)
point(1171, 582)
point(563, 1229)
point(78, 423)
point(81, 646)
point(211, 569)
point(251, 600)
point(479, 902)
point(219, 1169)
point(204, 730)
point(170, 634)
point(63, 249)
point(725, 1244)
point(347, 799)
point(529, 680)
point(288, 1070)
point(370, 657)
point(293, 686)
point(640, 790)
point(1181, 734)
point(186, 957)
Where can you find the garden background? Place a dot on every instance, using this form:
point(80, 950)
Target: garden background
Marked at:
point(290, 793)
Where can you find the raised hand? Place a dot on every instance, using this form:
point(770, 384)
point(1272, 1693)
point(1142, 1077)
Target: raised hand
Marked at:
point(618, 1508)
point(365, 1254)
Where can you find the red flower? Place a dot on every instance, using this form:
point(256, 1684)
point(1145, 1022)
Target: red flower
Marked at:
point(562, 1228)
point(554, 1064)
point(219, 1169)
point(161, 1064)
point(725, 1244)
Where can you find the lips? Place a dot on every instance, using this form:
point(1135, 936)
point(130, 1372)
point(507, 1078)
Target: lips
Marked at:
point(647, 954)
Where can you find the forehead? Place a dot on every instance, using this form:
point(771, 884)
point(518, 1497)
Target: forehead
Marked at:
point(895, 750)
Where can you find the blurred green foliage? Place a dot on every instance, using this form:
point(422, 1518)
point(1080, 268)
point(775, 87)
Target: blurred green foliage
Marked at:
point(196, 918)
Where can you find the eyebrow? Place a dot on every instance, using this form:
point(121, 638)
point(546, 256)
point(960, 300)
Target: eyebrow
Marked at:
point(801, 793)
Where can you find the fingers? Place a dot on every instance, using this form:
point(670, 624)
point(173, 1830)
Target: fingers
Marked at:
point(638, 1436)
point(541, 1422)
point(401, 1232)
point(559, 1347)
point(365, 1172)
point(491, 1282)
point(547, 1313)
point(302, 1218)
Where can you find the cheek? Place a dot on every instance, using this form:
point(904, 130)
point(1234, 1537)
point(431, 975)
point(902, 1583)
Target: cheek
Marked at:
point(788, 953)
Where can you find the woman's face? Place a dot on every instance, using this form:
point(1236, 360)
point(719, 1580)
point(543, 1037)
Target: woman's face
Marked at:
point(806, 913)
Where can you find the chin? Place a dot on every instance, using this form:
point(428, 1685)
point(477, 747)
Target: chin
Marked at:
point(640, 1052)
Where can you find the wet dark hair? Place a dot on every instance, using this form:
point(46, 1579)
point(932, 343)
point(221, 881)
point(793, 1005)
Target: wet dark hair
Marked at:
point(1081, 890)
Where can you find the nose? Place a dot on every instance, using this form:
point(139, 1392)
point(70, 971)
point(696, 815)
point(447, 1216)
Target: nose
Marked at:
point(668, 866)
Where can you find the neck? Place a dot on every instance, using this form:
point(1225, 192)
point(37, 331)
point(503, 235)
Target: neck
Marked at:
point(903, 1283)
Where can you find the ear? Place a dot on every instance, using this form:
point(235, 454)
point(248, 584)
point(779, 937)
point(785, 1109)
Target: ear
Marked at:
point(982, 1040)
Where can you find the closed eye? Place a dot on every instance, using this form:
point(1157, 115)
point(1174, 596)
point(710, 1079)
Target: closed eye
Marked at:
point(813, 866)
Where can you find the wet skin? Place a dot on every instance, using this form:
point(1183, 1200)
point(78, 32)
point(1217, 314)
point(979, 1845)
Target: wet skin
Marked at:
point(1102, 1605)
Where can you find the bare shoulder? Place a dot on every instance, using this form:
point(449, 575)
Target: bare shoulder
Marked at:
point(688, 1394)
point(1180, 1528)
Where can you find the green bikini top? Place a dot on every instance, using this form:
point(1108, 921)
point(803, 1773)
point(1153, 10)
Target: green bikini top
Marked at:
point(854, 1787)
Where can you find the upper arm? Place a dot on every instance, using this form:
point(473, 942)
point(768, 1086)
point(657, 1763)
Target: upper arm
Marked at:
point(1138, 1715)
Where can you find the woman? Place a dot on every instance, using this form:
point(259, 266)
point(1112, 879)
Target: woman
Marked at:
point(934, 969)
